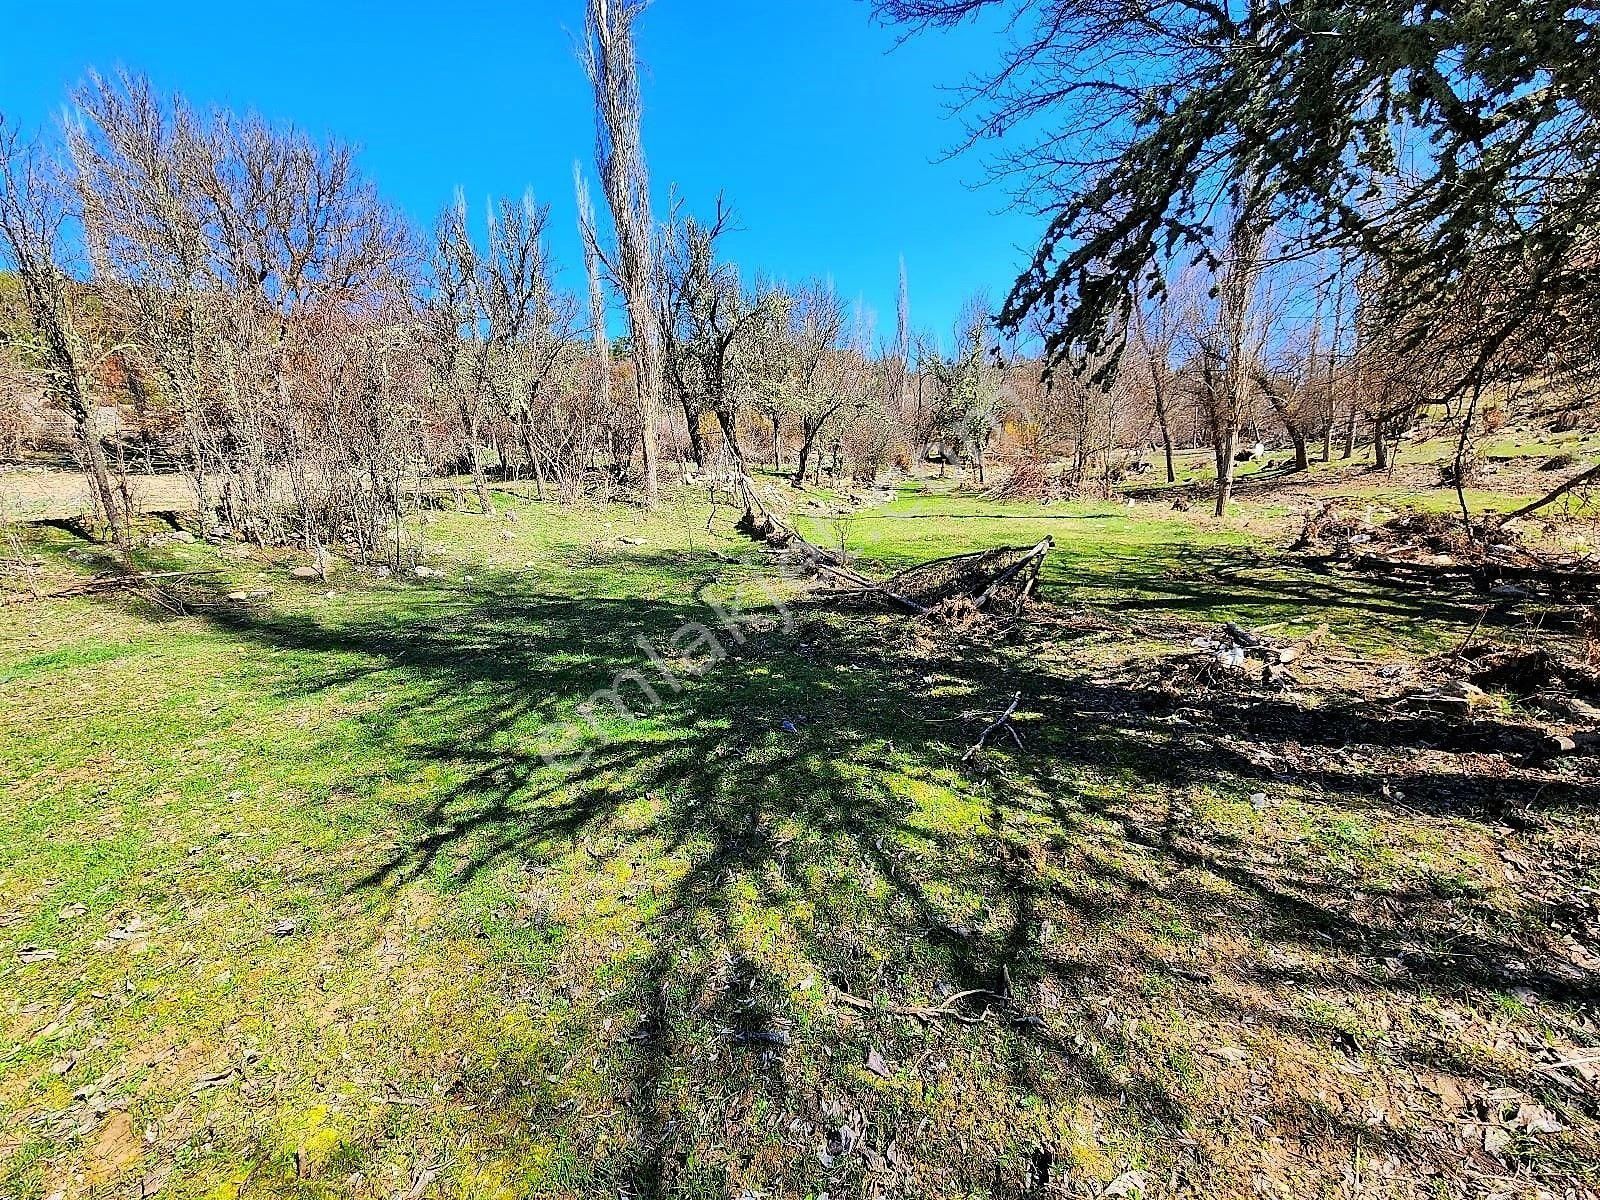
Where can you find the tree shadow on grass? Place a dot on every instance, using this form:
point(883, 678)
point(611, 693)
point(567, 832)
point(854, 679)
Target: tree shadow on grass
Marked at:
point(1264, 587)
point(785, 832)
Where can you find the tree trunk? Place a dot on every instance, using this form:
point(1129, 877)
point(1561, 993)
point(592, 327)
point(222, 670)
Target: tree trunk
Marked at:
point(776, 465)
point(105, 495)
point(1350, 435)
point(1380, 446)
point(202, 480)
point(530, 443)
point(1302, 457)
point(799, 478)
point(480, 484)
point(728, 423)
point(1166, 434)
point(613, 71)
point(697, 440)
point(1226, 447)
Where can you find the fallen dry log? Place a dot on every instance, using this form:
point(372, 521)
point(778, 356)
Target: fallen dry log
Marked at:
point(958, 587)
point(962, 589)
point(861, 586)
point(1030, 563)
point(1487, 574)
point(110, 582)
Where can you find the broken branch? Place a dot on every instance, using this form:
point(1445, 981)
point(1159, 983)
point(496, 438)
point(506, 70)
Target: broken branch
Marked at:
point(1003, 720)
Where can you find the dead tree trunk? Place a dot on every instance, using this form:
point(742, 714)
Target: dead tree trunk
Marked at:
point(33, 211)
point(1227, 445)
point(619, 156)
point(1166, 438)
point(597, 298)
point(1302, 455)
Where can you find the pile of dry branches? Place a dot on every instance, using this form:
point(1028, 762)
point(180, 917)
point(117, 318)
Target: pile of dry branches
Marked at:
point(958, 591)
point(1431, 548)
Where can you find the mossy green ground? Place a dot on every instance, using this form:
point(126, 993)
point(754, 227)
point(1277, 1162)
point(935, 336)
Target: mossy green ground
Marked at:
point(292, 902)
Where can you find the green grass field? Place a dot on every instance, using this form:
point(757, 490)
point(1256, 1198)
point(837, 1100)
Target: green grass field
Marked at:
point(299, 898)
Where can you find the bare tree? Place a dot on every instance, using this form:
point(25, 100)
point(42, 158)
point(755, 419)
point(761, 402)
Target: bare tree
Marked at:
point(458, 341)
point(535, 357)
point(1155, 336)
point(137, 164)
point(714, 329)
point(245, 258)
point(825, 370)
point(35, 207)
point(613, 68)
point(1227, 348)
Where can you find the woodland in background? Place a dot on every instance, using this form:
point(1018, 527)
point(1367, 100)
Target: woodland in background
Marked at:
point(232, 299)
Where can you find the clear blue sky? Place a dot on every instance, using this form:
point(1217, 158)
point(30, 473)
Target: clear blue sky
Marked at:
point(825, 142)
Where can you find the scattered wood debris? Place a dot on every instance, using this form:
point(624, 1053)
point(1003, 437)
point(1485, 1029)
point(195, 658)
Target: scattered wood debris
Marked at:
point(154, 586)
point(1227, 656)
point(948, 1009)
point(1415, 548)
point(958, 591)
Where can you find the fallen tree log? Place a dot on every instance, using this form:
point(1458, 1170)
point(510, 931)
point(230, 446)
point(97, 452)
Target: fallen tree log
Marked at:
point(1031, 563)
point(861, 585)
point(973, 581)
point(149, 586)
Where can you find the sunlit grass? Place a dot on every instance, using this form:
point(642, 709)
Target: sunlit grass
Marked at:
point(326, 921)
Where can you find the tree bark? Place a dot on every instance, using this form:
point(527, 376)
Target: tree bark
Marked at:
point(806, 444)
point(697, 440)
point(1225, 448)
point(480, 485)
point(728, 423)
point(1166, 431)
point(99, 473)
point(1302, 456)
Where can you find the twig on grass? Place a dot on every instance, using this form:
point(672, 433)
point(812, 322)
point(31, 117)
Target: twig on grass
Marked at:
point(945, 1009)
point(1002, 721)
point(1461, 650)
point(106, 582)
